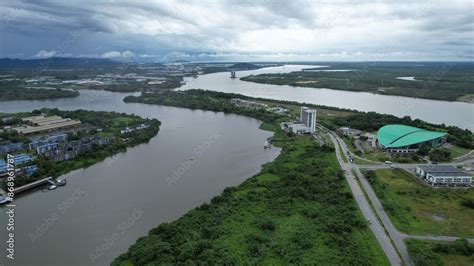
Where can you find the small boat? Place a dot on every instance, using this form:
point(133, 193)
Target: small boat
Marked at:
point(52, 187)
point(61, 182)
point(4, 200)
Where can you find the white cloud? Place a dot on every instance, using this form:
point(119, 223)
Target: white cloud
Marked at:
point(113, 54)
point(45, 54)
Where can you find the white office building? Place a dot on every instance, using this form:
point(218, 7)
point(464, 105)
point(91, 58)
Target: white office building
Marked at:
point(306, 123)
point(443, 176)
point(308, 117)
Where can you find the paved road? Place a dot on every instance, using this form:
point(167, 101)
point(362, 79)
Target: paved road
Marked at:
point(438, 238)
point(395, 236)
point(376, 227)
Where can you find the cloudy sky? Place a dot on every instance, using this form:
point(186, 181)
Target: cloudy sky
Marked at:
point(246, 30)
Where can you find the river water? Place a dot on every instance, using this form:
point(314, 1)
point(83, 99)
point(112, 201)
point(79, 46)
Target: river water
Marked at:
point(451, 113)
point(105, 208)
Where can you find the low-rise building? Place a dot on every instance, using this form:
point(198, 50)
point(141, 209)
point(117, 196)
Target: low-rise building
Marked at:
point(277, 110)
point(48, 140)
point(30, 169)
point(443, 176)
point(247, 104)
point(11, 147)
point(41, 124)
point(297, 128)
point(346, 131)
point(70, 150)
point(306, 123)
point(127, 130)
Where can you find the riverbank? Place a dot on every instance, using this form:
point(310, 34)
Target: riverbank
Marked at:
point(12, 92)
point(296, 210)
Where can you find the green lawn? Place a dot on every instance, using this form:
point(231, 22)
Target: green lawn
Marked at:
point(457, 151)
point(123, 121)
point(431, 253)
point(419, 209)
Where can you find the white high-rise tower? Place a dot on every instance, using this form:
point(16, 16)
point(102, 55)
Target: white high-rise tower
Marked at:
point(308, 117)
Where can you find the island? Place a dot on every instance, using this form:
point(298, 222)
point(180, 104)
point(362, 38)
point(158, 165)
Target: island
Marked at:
point(446, 81)
point(47, 143)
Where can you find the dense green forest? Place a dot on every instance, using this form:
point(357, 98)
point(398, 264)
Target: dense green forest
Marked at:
point(14, 91)
point(205, 100)
point(437, 80)
point(110, 124)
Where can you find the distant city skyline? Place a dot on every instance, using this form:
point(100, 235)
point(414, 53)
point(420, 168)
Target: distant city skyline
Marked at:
point(267, 30)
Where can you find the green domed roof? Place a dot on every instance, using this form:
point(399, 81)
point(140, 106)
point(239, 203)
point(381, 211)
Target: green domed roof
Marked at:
point(394, 136)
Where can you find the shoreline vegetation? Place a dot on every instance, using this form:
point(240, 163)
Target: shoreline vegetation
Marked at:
point(97, 123)
point(13, 91)
point(448, 81)
point(297, 210)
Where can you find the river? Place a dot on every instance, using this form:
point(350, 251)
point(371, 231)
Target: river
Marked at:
point(105, 208)
point(450, 113)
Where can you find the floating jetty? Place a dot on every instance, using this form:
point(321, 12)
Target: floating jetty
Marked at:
point(33, 185)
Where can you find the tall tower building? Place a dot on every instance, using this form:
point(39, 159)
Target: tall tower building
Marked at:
point(308, 117)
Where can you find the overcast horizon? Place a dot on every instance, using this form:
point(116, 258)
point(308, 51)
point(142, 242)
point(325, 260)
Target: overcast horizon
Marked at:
point(267, 30)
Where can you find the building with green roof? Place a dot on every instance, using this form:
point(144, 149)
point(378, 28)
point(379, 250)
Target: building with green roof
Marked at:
point(402, 138)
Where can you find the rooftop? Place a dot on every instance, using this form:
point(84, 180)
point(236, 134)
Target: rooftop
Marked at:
point(394, 136)
point(442, 170)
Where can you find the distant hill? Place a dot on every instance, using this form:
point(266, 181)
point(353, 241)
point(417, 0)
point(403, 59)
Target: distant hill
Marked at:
point(243, 66)
point(57, 62)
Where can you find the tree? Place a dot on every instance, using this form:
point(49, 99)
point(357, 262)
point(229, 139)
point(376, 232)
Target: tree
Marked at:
point(424, 150)
point(440, 155)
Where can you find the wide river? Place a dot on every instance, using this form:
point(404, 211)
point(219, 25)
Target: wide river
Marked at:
point(105, 208)
point(451, 113)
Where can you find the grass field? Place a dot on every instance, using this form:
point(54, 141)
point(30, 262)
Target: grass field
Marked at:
point(430, 253)
point(457, 151)
point(417, 208)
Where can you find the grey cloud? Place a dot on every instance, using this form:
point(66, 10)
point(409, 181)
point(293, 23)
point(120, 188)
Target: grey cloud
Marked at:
point(239, 27)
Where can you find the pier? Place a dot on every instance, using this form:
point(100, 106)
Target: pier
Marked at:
point(32, 185)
